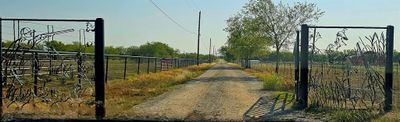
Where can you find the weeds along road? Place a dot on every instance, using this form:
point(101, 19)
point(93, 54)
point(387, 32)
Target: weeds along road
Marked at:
point(222, 93)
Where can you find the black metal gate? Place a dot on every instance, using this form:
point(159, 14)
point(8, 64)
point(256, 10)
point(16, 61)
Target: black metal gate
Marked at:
point(359, 77)
point(30, 67)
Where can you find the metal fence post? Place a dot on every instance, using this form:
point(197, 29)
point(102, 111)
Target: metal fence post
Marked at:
point(155, 64)
point(125, 62)
point(138, 66)
point(35, 73)
point(148, 65)
point(174, 63)
point(79, 69)
point(388, 86)
point(50, 63)
point(99, 68)
point(179, 63)
point(303, 86)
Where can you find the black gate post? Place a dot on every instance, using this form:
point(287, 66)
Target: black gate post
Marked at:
point(296, 64)
point(303, 86)
point(1, 68)
point(388, 86)
point(99, 68)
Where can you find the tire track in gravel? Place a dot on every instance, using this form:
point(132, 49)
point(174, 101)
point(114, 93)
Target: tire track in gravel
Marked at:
point(222, 93)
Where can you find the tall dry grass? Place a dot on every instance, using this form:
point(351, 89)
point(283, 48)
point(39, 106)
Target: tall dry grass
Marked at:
point(273, 81)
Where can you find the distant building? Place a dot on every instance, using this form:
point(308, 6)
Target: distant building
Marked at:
point(252, 62)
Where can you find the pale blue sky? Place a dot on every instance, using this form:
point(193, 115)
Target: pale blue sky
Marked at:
point(134, 22)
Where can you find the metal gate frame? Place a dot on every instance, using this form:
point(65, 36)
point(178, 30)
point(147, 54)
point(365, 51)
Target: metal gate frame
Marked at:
point(99, 60)
point(302, 84)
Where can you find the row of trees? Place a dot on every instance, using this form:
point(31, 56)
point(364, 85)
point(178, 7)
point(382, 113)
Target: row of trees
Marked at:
point(262, 25)
point(287, 56)
point(151, 49)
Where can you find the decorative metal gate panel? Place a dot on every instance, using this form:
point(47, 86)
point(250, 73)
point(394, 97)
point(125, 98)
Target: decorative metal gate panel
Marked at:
point(38, 79)
point(346, 71)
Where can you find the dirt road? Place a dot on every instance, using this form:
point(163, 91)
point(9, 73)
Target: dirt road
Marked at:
point(223, 93)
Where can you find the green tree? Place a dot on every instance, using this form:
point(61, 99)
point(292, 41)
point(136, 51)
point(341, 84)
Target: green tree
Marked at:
point(227, 54)
point(132, 50)
point(115, 50)
point(55, 45)
point(244, 41)
point(280, 21)
point(157, 49)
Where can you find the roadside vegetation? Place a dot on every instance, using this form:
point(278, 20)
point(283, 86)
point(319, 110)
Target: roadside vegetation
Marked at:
point(273, 81)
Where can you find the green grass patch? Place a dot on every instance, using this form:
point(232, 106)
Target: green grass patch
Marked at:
point(273, 81)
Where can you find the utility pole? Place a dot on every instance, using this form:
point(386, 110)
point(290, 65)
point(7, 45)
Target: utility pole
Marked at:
point(198, 40)
point(209, 52)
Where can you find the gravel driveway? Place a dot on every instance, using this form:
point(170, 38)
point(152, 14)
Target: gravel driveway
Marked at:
point(222, 93)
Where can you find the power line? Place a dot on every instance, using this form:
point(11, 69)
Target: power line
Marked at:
point(170, 18)
point(194, 4)
point(191, 6)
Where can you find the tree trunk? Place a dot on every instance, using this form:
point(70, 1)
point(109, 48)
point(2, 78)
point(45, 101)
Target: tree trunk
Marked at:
point(277, 61)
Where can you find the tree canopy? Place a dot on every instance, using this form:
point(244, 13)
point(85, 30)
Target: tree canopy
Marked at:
point(244, 41)
point(263, 24)
point(150, 49)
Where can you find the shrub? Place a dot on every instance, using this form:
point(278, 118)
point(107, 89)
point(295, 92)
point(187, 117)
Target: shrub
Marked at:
point(272, 82)
point(276, 82)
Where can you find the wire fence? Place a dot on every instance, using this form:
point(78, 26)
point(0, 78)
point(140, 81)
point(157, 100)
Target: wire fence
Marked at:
point(40, 81)
point(122, 66)
point(285, 69)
